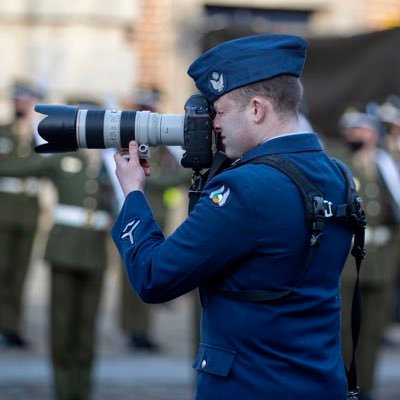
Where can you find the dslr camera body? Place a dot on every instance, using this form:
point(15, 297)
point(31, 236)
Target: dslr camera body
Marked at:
point(68, 128)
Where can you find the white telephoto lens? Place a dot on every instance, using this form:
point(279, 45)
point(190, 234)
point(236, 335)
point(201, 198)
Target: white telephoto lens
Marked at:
point(155, 129)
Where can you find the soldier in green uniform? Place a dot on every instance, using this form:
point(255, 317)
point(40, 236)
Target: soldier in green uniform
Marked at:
point(76, 253)
point(166, 174)
point(389, 113)
point(378, 182)
point(19, 211)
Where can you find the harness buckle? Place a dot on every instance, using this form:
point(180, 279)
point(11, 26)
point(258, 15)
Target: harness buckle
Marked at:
point(328, 209)
point(353, 394)
point(317, 220)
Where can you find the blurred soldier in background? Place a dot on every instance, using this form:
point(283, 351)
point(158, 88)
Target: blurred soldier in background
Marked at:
point(390, 116)
point(19, 211)
point(378, 182)
point(76, 252)
point(166, 175)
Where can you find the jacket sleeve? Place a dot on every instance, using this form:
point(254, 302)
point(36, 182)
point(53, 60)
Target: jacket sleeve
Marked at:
point(208, 243)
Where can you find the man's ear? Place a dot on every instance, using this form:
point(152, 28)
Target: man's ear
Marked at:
point(260, 107)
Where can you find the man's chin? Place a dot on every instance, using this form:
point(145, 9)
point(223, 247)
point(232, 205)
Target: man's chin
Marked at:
point(231, 155)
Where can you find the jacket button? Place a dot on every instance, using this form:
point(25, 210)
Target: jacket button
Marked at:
point(203, 364)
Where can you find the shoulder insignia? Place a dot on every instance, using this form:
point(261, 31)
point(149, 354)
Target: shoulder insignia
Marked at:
point(220, 196)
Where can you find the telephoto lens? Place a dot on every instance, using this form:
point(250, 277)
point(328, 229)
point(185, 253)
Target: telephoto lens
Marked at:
point(68, 128)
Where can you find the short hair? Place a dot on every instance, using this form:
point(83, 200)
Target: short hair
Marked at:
point(283, 91)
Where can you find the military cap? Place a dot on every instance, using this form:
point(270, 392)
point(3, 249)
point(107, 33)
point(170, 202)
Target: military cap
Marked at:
point(84, 103)
point(246, 60)
point(390, 110)
point(147, 97)
point(356, 119)
point(26, 90)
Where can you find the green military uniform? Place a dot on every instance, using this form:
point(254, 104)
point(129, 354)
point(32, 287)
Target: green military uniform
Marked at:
point(19, 211)
point(377, 272)
point(166, 173)
point(76, 252)
point(390, 115)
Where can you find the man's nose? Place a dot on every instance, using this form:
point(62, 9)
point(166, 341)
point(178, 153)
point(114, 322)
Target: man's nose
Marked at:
point(216, 125)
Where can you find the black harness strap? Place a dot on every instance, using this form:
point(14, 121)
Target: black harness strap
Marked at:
point(357, 219)
point(316, 209)
point(199, 180)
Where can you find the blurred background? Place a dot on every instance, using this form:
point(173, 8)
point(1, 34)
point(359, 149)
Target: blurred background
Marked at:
point(105, 51)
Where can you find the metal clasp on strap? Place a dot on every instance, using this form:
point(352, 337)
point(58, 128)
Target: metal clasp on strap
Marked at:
point(323, 207)
point(353, 394)
point(318, 220)
point(328, 209)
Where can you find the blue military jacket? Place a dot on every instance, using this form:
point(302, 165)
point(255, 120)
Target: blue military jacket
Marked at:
point(249, 231)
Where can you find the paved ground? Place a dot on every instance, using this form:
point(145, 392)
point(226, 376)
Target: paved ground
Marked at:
point(124, 375)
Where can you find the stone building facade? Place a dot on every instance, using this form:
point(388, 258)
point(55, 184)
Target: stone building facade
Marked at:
point(104, 50)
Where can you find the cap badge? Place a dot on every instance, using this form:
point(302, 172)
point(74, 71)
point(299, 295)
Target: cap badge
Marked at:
point(217, 82)
point(220, 196)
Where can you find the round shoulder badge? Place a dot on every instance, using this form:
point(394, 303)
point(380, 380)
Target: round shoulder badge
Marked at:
point(221, 196)
point(217, 82)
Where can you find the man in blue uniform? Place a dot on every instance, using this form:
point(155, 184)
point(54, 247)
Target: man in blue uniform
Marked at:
point(248, 231)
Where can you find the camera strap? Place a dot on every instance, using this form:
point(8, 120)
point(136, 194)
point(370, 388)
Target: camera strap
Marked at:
point(357, 219)
point(317, 210)
point(199, 180)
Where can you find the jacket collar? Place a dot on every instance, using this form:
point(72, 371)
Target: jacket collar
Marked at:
point(292, 143)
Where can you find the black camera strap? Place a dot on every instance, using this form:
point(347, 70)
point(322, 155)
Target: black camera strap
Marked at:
point(356, 217)
point(199, 180)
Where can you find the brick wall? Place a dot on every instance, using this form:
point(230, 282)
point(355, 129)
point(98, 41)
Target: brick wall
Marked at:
point(381, 14)
point(153, 41)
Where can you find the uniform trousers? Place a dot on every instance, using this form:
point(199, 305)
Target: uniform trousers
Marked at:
point(15, 255)
point(135, 315)
point(75, 297)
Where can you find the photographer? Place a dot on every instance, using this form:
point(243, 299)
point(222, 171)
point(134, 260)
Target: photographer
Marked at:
point(248, 232)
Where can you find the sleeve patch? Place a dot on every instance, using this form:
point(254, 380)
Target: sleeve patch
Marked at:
point(129, 229)
point(220, 196)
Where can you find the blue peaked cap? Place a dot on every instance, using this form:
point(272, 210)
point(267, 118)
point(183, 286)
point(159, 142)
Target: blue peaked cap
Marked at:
point(246, 60)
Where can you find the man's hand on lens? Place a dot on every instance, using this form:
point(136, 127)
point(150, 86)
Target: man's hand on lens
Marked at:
point(130, 170)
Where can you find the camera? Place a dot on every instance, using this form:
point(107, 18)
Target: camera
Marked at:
point(68, 128)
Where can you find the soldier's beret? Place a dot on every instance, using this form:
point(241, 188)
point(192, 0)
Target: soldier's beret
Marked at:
point(26, 90)
point(390, 110)
point(355, 119)
point(246, 60)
